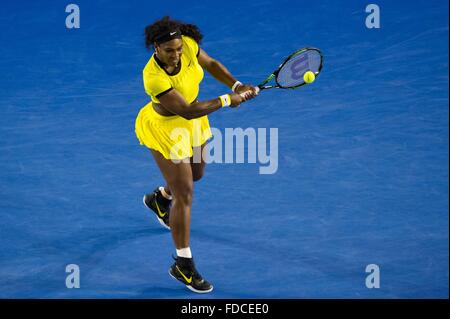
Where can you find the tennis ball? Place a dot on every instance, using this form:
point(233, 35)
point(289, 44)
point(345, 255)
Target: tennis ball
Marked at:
point(309, 77)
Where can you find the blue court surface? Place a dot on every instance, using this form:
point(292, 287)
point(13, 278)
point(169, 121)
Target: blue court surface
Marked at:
point(362, 174)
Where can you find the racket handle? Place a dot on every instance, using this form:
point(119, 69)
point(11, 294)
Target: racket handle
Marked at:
point(257, 89)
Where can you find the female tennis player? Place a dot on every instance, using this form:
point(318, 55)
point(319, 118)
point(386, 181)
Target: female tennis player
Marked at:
point(175, 127)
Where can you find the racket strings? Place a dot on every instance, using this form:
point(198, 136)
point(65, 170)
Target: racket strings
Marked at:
point(291, 73)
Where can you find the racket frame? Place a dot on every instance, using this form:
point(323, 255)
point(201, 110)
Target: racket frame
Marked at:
point(274, 74)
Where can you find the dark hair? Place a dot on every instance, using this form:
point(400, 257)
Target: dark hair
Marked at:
point(165, 25)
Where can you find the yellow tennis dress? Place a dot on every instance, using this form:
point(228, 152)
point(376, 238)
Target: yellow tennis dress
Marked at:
point(173, 136)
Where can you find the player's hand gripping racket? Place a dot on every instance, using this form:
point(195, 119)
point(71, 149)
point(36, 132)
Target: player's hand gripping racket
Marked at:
point(291, 73)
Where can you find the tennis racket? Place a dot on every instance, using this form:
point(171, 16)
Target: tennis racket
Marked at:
point(289, 75)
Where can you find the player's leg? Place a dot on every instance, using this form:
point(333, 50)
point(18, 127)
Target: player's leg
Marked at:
point(163, 194)
point(160, 201)
point(198, 163)
point(179, 178)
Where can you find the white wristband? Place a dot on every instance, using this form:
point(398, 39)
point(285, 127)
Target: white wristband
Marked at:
point(235, 85)
point(225, 100)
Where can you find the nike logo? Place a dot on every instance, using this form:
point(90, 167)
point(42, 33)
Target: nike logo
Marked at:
point(188, 280)
point(172, 33)
point(161, 214)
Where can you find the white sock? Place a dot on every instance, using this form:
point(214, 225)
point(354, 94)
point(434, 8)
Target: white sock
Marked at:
point(184, 252)
point(163, 192)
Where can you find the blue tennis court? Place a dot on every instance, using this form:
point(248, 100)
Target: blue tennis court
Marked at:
point(362, 154)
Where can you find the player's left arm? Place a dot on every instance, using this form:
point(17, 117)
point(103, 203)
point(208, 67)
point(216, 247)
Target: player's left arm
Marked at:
point(221, 73)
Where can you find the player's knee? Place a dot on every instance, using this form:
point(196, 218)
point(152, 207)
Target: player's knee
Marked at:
point(184, 193)
point(185, 198)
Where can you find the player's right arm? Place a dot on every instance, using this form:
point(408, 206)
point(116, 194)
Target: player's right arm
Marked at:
point(175, 103)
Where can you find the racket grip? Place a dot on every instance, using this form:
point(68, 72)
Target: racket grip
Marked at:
point(257, 89)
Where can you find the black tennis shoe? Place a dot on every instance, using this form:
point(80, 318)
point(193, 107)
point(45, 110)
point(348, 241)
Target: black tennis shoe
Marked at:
point(159, 205)
point(184, 271)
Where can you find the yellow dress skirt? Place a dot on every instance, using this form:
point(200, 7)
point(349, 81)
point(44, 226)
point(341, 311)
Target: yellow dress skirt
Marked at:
point(172, 136)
